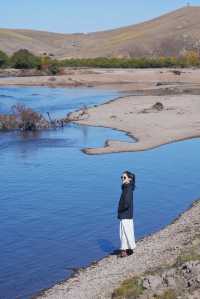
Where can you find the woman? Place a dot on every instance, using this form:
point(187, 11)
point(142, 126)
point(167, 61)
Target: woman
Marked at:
point(125, 214)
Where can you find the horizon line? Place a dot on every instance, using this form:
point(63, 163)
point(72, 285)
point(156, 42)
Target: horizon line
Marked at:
point(187, 6)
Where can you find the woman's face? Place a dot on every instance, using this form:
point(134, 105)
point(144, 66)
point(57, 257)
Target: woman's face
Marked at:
point(125, 178)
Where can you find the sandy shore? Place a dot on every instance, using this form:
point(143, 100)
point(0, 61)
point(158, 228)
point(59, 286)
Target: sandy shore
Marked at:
point(121, 79)
point(177, 90)
point(134, 115)
point(162, 248)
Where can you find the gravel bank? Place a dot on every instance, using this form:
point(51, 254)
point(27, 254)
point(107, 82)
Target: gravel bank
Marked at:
point(162, 248)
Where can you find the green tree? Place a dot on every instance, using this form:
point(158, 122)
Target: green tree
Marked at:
point(3, 59)
point(54, 68)
point(23, 59)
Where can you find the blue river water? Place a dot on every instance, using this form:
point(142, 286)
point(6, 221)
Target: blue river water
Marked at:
point(59, 206)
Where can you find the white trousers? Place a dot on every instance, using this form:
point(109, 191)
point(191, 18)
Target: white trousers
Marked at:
point(126, 232)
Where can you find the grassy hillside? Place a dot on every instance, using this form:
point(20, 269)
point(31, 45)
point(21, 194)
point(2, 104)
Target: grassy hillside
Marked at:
point(168, 35)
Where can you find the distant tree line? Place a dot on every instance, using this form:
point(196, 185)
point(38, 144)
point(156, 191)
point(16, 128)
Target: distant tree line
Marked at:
point(187, 60)
point(23, 59)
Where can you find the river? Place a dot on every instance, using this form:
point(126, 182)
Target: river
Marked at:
point(58, 205)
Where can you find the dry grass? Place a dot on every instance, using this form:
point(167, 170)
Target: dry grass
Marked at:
point(6, 33)
point(133, 288)
point(130, 288)
point(168, 294)
point(192, 255)
point(148, 38)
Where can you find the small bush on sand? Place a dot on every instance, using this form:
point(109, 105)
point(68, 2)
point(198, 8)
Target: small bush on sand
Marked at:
point(187, 257)
point(190, 254)
point(168, 294)
point(130, 288)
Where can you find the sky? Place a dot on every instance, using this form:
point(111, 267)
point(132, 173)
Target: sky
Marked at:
point(82, 15)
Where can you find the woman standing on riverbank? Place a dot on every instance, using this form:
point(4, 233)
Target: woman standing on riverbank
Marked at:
point(125, 214)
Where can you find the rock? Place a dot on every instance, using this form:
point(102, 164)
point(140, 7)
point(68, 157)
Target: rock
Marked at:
point(171, 282)
point(191, 267)
point(194, 295)
point(198, 278)
point(176, 72)
point(191, 274)
point(169, 278)
point(152, 282)
point(170, 272)
point(158, 106)
point(159, 84)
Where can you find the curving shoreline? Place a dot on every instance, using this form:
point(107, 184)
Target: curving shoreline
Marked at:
point(135, 115)
point(157, 250)
point(151, 128)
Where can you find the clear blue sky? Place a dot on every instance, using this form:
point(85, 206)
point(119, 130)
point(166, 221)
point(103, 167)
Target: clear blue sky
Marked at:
point(81, 15)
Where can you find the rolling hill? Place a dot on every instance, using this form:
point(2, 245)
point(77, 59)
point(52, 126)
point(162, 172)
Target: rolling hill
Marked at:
point(169, 34)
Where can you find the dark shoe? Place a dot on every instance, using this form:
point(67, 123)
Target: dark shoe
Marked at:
point(123, 253)
point(129, 251)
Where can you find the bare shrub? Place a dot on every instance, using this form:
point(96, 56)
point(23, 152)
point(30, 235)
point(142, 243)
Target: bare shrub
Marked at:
point(8, 122)
point(26, 118)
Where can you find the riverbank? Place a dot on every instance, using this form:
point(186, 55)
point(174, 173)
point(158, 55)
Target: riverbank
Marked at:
point(153, 120)
point(177, 90)
point(159, 250)
point(175, 99)
point(121, 79)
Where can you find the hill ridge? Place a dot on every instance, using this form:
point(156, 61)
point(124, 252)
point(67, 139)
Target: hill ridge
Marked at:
point(166, 35)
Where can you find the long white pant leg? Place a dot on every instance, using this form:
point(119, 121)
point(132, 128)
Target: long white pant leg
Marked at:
point(127, 235)
point(123, 239)
point(130, 234)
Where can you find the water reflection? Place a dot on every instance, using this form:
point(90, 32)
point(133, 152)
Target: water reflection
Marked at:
point(27, 135)
point(71, 136)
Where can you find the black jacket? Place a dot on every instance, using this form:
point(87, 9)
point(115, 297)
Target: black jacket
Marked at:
point(125, 207)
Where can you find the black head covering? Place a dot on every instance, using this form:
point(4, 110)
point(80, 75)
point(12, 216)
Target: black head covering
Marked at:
point(132, 177)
